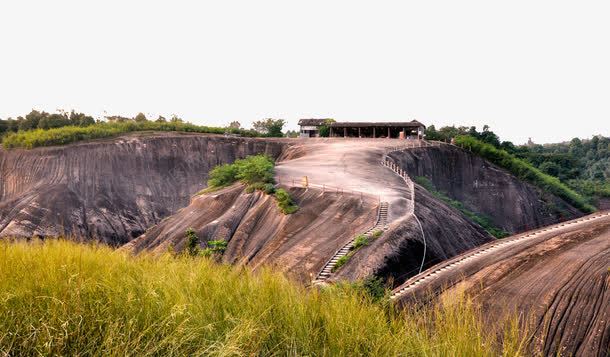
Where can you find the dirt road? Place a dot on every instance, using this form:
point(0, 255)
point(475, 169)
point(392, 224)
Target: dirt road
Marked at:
point(349, 164)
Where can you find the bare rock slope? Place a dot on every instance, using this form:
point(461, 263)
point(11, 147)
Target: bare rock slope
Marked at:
point(258, 233)
point(558, 277)
point(110, 190)
point(482, 187)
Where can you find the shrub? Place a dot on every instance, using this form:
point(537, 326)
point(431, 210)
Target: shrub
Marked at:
point(222, 175)
point(255, 171)
point(341, 262)
point(218, 246)
point(267, 188)
point(215, 247)
point(192, 243)
point(375, 288)
point(360, 241)
point(285, 202)
point(377, 233)
point(524, 170)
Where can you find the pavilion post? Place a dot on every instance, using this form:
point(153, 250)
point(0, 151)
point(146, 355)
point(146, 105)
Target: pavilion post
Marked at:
point(359, 134)
point(388, 132)
point(345, 132)
point(374, 136)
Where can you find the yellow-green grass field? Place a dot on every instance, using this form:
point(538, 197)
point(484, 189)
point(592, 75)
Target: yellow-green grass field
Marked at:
point(62, 298)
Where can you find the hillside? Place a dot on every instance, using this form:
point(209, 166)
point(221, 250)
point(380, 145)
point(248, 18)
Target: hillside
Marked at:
point(556, 277)
point(333, 212)
point(428, 202)
point(110, 190)
point(62, 298)
point(259, 234)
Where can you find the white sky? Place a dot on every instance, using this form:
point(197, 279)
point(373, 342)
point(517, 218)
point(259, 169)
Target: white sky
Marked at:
point(526, 68)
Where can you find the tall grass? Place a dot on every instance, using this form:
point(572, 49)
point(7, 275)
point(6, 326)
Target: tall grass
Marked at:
point(525, 170)
point(60, 298)
point(60, 136)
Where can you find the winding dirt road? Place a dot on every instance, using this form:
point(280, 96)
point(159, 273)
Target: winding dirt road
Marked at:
point(558, 277)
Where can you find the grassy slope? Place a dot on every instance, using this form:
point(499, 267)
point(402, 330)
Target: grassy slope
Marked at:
point(63, 298)
point(525, 170)
point(68, 134)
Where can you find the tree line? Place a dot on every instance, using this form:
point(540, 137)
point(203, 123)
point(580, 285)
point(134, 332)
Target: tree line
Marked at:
point(267, 127)
point(582, 164)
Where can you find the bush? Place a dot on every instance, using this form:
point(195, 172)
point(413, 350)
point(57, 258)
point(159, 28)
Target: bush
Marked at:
point(525, 170)
point(255, 171)
point(360, 242)
point(375, 288)
point(377, 233)
point(285, 202)
point(222, 175)
point(341, 262)
point(215, 247)
point(269, 188)
point(192, 243)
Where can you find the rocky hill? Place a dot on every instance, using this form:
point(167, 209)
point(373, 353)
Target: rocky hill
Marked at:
point(110, 190)
point(557, 277)
point(484, 188)
point(118, 189)
point(258, 233)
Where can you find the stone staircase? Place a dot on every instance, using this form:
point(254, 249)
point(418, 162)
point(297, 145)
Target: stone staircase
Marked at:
point(381, 224)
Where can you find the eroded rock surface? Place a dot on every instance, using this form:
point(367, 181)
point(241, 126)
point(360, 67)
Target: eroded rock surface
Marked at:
point(482, 187)
point(398, 254)
point(258, 233)
point(111, 190)
point(556, 279)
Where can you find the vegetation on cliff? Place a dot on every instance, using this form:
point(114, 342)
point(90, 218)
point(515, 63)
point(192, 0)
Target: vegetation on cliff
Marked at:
point(582, 165)
point(43, 129)
point(60, 298)
point(64, 135)
point(256, 172)
point(480, 219)
point(524, 170)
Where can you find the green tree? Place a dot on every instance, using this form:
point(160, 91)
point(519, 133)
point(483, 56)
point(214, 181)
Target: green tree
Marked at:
point(234, 125)
point(140, 118)
point(176, 119)
point(31, 120)
point(269, 127)
point(80, 119)
point(325, 128)
point(54, 121)
point(550, 168)
point(192, 242)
